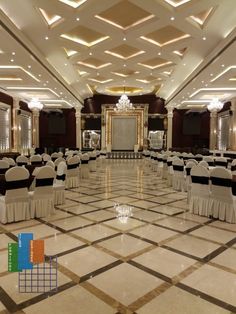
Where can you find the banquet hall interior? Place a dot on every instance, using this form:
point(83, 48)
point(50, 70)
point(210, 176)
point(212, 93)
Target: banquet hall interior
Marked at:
point(117, 156)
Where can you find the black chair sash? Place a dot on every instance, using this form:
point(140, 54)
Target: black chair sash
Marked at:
point(3, 170)
point(73, 166)
point(169, 163)
point(234, 187)
point(44, 182)
point(84, 162)
point(92, 158)
point(36, 163)
point(61, 177)
point(188, 170)
point(200, 180)
point(211, 163)
point(165, 161)
point(221, 181)
point(18, 184)
point(21, 163)
point(198, 159)
point(221, 163)
point(178, 168)
point(233, 168)
point(155, 158)
point(54, 158)
point(159, 159)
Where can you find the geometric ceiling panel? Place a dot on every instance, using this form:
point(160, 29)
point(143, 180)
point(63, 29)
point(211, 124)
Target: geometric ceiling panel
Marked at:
point(125, 72)
point(17, 70)
point(73, 3)
point(180, 52)
point(93, 63)
point(8, 77)
point(84, 36)
point(155, 63)
point(124, 52)
point(201, 17)
point(100, 79)
point(50, 18)
point(124, 15)
point(176, 3)
point(164, 36)
point(122, 89)
point(70, 52)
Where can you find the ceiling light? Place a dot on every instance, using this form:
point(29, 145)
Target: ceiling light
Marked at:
point(222, 65)
point(90, 53)
point(61, 93)
point(203, 38)
point(13, 53)
point(66, 64)
point(124, 38)
point(184, 64)
point(211, 74)
point(47, 82)
point(124, 104)
point(29, 66)
point(172, 18)
point(12, 60)
point(77, 19)
point(124, 65)
point(34, 104)
point(46, 37)
point(159, 53)
point(215, 105)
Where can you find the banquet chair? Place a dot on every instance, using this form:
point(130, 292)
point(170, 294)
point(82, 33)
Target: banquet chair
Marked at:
point(36, 160)
point(221, 162)
point(15, 206)
point(55, 155)
point(193, 160)
point(222, 201)
point(198, 157)
point(203, 163)
point(209, 160)
point(164, 167)
point(159, 164)
point(11, 162)
point(57, 161)
point(4, 166)
point(72, 172)
point(188, 168)
point(46, 158)
point(22, 160)
point(50, 163)
point(92, 162)
point(59, 184)
point(233, 166)
point(200, 191)
point(41, 199)
point(178, 180)
point(84, 169)
point(169, 171)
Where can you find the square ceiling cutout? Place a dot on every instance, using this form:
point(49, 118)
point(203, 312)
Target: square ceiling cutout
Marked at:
point(93, 63)
point(124, 15)
point(84, 36)
point(73, 3)
point(124, 52)
point(155, 63)
point(176, 3)
point(164, 36)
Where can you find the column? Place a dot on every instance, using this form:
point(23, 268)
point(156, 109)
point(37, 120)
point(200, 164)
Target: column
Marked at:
point(169, 127)
point(16, 127)
point(232, 135)
point(78, 127)
point(213, 130)
point(35, 128)
point(103, 128)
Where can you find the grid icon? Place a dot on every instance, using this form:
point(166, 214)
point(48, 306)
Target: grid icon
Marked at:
point(41, 278)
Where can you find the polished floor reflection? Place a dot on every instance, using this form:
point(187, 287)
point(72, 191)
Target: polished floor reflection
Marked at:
point(155, 257)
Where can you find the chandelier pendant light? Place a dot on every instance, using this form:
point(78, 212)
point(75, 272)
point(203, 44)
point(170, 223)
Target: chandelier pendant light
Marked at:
point(215, 105)
point(35, 104)
point(124, 104)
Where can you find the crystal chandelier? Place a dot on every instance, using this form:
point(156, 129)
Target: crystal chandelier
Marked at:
point(215, 105)
point(123, 212)
point(124, 104)
point(35, 104)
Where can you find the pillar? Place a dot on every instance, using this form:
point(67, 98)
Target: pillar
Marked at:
point(78, 127)
point(16, 126)
point(169, 126)
point(232, 135)
point(35, 128)
point(213, 130)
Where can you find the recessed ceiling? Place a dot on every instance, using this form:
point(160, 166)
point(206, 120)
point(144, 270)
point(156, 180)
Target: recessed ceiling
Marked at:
point(77, 48)
point(124, 89)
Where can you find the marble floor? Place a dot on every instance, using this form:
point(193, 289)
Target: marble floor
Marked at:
point(161, 259)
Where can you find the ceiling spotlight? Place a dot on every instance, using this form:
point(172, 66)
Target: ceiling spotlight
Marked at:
point(29, 66)
point(77, 19)
point(13, 53)
point(124, 65)
point(211, 74)
point(202, 82)
point(172, 18)
point(65, 64)
point(203, 38)
point(222, 65)
point(46, 37)
point(12, 60)
point(159, 53)
point(40, 75)
point(90, 53)
point(47, 82)
point(61, 93)
point(124, 38)
point(184, 64)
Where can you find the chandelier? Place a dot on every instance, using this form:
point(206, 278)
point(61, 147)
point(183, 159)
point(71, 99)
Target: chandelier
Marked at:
point(123, 212)
point(215, 105)
point(124, 104)
point(35, 104)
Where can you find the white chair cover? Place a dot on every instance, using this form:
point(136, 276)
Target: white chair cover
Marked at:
point(222, 202)
point(92, 161)
point(200, 191)
point(169, 171)
point(221, 162)
point(164, 167)
point(209, 160)
point(188, 167)
point(15, 206)
point(59, 185)
point(42, 202)
point(46, 157)
point(4, 166)
point(84, 168)
point(178, 180)
point(72, 172)
point(204, 164)
point(22, 160)
point(36, 159)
